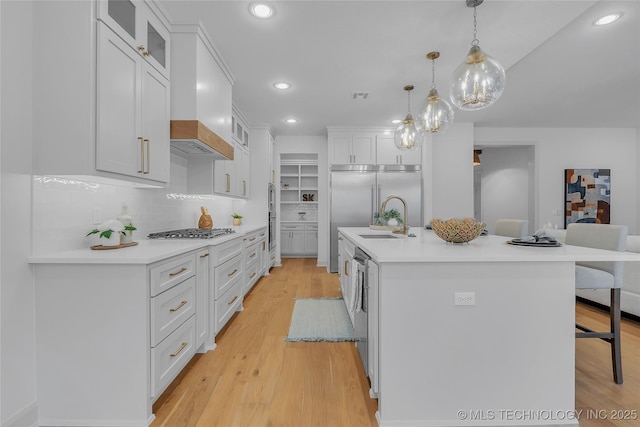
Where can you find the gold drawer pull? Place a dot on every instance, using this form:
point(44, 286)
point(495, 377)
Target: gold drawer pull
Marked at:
point(346, 270)
point(232, 273)
point(252, 239)
point(178, 307)
point(233, 300)
point(252, 255)
point(205, 255)
point(182, 270)
point(340, 238)
point(182, 347)
point(252, 275)
point(262, 234)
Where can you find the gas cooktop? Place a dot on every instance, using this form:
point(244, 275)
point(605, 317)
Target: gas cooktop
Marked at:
point(191, 233)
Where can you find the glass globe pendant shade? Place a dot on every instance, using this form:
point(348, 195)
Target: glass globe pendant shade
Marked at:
point(478, 82)
point(436, 116)
point(407, 136)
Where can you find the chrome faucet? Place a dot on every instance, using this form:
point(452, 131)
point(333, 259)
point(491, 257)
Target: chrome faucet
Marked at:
point(405, 227)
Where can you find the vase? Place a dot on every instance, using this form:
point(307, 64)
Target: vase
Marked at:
point(237, 221)
point(392, 222)
point(127, 237)
point(113, 240)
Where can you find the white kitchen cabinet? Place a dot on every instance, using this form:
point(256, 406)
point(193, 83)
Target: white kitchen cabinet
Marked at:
point(116, 113)
point(225, 284)
point(243, 172)
point(132, 113)
point(136, 321)
point(254, 248)
point(373, 347)
point(299, 240)
point(202, 296)
point(352, 148)
point(134, 23)
point(388, 154)
point(239, 128)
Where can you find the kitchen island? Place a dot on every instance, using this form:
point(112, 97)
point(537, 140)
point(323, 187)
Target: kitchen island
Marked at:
point(477, 334)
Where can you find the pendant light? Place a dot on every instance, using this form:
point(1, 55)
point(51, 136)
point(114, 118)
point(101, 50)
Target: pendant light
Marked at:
point(407, 136)
point(437, 115)
point(479, 81)
point(476, 157)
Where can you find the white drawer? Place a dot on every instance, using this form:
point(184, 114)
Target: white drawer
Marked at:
point(225, 251)
point(252, 275)
point(226, 274)
point(171, 308)
point(169, 273)
point(228, 303)
point(171, 355)
point(311, 226)
point(251, 238)
point(251, 254)
point(292, 227)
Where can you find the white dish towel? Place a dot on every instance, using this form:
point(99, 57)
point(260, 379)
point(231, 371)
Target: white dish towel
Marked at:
point(356, 291)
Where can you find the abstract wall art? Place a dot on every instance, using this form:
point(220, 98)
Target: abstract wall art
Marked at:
point(587, 196)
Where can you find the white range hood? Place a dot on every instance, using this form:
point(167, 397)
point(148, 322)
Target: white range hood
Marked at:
point(192, 137)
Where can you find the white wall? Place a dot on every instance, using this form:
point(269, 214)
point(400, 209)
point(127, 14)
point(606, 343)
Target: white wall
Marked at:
point(63, 210)
point(448, 173)
point(310, 144)
point(557, 149)
point(17, 328)
point(505, 188)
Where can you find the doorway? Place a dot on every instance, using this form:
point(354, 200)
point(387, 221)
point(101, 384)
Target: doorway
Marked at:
point(504, 185)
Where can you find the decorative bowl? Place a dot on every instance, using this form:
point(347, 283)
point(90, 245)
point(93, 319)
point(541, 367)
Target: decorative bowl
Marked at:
point(457, 230)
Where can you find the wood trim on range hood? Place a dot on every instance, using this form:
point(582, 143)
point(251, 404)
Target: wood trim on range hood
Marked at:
point(194, 138)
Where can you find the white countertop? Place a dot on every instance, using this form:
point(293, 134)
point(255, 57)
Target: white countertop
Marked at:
point(428, 247)
point(146, 252)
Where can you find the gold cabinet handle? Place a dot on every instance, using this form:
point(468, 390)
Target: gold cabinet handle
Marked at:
point(252, 255)
point(228, 182)
point(262, 234)
point(148, 156)
point(252, 239)
point(340, 238)
point(244, 187)
point(204, 255)
point(232, 273)
point(144, 50)
point(233, 300)
point(264, 246)
point(183, 269)
point(346, 270)
point(178, 307)
point(252, 275)
point(141, 170)
point(182, 347)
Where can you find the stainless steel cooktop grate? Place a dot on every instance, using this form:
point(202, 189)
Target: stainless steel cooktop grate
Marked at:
point(191, 233)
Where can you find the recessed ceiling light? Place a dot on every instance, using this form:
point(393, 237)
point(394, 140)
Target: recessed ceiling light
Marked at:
point(261, 10)
point(396, 121)
point(282, 85)
point(291, 120)
point(608, 19)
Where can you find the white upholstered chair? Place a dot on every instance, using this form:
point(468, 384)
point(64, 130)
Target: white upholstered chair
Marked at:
point(516, 228)
point(602, 275)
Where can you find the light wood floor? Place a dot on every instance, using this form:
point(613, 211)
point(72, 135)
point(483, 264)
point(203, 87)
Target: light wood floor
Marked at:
point(254, 378)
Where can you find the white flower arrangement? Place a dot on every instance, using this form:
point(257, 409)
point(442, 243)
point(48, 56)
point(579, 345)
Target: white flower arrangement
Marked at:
point(110, 226)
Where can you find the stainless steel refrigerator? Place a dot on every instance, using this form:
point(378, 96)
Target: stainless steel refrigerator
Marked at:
point(357, 191)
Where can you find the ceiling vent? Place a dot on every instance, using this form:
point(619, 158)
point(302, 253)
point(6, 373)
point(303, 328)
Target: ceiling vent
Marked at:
point(360, 95)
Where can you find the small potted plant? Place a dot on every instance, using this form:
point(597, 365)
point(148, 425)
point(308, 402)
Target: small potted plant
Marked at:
point(392, 217)
point(109, 232)
point(237, 219)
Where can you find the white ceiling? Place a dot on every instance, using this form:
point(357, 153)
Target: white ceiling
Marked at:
point(562, 71)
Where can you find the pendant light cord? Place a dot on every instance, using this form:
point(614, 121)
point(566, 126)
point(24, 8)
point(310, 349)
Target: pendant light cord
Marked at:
point(475, 41)
point(433, 73)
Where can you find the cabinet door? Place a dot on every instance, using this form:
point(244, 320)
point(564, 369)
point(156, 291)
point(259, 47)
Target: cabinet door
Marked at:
point(285, 242)
point(243, 172)
point(297, 242)
point(223, 176)
point(311, 242)
point(341, 150)
point(155, 124)
point(202, 296)
point(363, 149)
point(389, 154)
point(119, 143)
point(156, 42)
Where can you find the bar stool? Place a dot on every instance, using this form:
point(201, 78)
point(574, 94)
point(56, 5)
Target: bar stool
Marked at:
point(512, 228)
point(602, 275)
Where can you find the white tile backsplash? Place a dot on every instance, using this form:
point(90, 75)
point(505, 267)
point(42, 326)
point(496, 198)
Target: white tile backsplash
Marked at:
point(289, 211)
point(63, 210)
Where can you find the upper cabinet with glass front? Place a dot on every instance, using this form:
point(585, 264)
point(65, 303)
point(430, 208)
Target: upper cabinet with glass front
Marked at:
point(139, 28)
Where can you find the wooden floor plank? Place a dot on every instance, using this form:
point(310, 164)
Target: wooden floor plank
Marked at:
point(255, 378)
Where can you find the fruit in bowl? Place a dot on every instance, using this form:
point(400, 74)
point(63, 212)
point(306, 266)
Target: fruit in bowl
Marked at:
point(456, 230)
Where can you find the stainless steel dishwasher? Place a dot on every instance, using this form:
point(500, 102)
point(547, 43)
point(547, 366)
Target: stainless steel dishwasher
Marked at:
point(360, 319)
